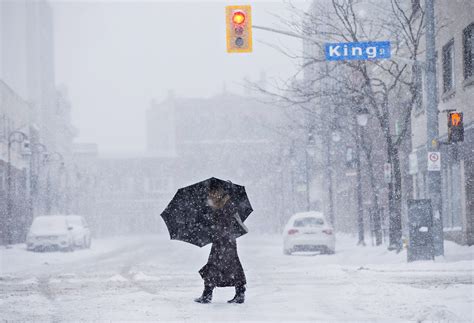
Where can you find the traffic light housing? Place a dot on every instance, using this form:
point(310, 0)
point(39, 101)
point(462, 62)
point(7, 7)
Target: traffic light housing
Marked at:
point(455, 127)
point(239, 29)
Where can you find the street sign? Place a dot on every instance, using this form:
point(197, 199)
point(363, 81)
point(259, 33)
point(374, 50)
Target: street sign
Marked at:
point(434, 161)
point(387, 172)
point(357, 51)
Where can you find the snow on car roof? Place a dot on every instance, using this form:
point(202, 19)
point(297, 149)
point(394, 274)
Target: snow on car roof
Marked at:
point(58, 216)
point(312, 214)
point(73, 216)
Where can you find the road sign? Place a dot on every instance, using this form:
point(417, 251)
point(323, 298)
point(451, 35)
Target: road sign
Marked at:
point(357, 51)
point(387, 172)
point(434, 161)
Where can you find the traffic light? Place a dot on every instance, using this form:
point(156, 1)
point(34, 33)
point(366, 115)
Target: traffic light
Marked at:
point(239, 29)
point(455, 127)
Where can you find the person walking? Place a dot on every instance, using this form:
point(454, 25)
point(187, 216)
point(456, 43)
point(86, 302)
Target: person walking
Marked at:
point(223, 267)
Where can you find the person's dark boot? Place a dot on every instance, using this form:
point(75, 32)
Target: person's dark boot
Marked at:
point(206, 296)
point(239, 297)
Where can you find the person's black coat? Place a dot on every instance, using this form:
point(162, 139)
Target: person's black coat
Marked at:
point(223, 267)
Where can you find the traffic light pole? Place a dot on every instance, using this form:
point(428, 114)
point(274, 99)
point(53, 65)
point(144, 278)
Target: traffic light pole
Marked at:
point(432, 131)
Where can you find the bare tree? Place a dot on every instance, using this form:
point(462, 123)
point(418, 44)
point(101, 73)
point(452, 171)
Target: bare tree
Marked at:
point(388, 88)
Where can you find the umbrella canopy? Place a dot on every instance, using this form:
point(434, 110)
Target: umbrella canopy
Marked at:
point(188, 216)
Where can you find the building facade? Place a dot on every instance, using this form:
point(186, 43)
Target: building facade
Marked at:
point(455, 83)
point(33, 113)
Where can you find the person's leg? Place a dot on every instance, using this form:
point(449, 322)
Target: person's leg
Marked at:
point(206, 296)
point(239, 297)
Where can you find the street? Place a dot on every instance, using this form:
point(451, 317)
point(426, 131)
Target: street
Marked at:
point(153, 278)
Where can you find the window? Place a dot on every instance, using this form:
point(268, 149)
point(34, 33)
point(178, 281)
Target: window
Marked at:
point(448, 63)
point(308, 222)
point(468, 45)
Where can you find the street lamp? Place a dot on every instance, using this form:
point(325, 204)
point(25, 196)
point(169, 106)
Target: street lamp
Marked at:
point(14, 137)
point(51, 157)
point(363, 117)
point(38, 150)
point(311, 145)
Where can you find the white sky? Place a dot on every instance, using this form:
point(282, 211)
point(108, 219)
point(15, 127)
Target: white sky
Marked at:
point(117, 56)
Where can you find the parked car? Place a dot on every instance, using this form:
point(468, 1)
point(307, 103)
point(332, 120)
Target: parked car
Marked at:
point(308, 231)
point(80, 231)
point(50, 231)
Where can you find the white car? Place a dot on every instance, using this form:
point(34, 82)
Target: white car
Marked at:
point(50, 231)
point(80, 231)
point(308, 231)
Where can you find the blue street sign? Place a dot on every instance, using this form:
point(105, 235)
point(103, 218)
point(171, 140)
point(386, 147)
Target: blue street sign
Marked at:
point(371, 50)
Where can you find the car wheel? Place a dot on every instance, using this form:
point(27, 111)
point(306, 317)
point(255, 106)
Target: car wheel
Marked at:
point(286, 252)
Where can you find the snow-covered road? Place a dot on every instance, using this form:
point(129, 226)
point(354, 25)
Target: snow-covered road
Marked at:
point(152, 278)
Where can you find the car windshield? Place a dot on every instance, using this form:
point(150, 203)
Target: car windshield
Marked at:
point(48, 225)
point(308, 222)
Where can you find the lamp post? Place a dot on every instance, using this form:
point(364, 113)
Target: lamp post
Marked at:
point(14, 137)
point(54, 156)
point(433, 178)
point(40, 150)
point(361, 121)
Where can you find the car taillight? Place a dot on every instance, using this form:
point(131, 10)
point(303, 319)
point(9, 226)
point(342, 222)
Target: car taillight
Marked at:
point(292, 231)
point(327, 231)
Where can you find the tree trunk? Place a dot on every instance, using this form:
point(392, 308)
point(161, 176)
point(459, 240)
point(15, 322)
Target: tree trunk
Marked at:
point(360, 208)
point(375, 199)
point(395, 202)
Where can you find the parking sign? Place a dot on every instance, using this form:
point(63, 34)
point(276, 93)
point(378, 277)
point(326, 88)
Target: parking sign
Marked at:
point(434, 161)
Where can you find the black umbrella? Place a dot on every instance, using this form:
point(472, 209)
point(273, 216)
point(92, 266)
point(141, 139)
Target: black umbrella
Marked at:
point(188, 216)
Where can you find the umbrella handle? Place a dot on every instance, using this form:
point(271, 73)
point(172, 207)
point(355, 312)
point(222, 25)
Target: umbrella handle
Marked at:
point(239, 221)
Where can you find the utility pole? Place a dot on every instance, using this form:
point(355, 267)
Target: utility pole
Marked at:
point(432, 131)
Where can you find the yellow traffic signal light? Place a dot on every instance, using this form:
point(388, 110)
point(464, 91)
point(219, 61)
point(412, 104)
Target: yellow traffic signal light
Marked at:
point(239, 29)
point(455, 127)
